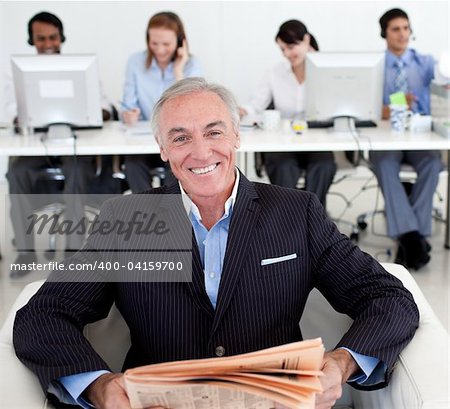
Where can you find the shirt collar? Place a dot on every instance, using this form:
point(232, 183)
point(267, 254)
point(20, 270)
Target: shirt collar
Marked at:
point(154, 66)
point(191, 207)
point(406, 57)
point(286, 65)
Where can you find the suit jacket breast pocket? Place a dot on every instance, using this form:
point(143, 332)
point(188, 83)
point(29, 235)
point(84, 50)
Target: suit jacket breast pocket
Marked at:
point(280, 266)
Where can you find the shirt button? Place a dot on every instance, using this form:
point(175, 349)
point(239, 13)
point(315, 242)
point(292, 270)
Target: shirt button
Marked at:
point(220, 351)
point(212, 275)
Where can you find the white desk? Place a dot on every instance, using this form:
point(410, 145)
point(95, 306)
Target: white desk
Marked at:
point(110, 140)
point(380, 138)
point(113, 140)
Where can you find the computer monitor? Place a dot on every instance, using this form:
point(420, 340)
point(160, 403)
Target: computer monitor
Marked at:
point(57, 89)
point(344, 87)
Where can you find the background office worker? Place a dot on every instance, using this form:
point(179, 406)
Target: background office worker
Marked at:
point(149, 73)
point(284, 86)
point(257, 252)
point(46, 34)
point(408, 217)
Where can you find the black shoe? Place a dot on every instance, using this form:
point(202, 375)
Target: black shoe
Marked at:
point(400, 256)
point(23, 264)
point(414, 248)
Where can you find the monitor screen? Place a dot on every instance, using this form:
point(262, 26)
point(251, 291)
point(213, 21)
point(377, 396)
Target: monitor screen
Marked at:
point(348, 85)
point(57, 89)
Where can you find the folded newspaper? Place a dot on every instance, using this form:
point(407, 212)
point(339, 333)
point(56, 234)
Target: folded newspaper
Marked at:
point(286, 375)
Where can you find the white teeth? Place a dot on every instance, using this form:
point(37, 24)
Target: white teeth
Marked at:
point(201, 171)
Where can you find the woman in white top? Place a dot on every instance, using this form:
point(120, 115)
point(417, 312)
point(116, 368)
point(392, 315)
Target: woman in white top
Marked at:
point(284, 86)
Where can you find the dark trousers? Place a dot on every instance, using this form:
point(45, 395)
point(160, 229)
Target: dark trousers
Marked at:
point(285, 168)
point(137, 171)
point(23, 175)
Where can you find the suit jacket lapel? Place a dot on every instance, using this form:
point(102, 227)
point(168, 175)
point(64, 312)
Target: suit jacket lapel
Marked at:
point(244, 219)
point(197, 285)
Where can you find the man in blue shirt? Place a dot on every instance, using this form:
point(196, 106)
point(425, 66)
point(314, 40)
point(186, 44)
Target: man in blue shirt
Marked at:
point(257, 251)
point(408, 216)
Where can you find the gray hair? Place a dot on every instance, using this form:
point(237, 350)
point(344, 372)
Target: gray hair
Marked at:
point(189, 86)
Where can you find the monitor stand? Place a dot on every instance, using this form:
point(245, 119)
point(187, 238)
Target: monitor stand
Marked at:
point(59, 132)
point(344, 124)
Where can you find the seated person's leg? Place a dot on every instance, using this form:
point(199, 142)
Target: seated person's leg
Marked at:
point(399, 214)
point(137, 170)
point(401, 219)
point(78, 174)
point(22, 176)
point(22, 173)
point(282, 168)
point(320, 170)
point(427, 164)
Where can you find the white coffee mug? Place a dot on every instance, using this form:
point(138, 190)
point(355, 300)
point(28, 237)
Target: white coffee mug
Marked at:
point(271, 119)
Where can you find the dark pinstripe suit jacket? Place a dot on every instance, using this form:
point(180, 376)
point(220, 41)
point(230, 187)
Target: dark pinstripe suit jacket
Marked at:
point(258, 305)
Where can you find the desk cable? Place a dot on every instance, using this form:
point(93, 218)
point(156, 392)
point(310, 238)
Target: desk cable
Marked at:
point(355, 135)
point(74, 164)
point(356, 162)
point(368, 162)
point(48, 157)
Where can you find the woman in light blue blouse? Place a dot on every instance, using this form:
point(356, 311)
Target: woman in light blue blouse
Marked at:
point(149, 73)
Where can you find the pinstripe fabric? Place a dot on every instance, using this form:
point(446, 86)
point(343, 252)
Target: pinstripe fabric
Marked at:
point(258, 306)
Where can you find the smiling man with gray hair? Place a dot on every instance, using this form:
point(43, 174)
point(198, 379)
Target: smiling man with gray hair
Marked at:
point(257, 251)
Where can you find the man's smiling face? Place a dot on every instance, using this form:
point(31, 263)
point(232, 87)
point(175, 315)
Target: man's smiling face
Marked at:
point(199, 141)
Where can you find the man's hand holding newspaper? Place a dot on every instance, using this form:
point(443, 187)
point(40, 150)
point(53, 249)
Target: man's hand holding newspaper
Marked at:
point(283, 376)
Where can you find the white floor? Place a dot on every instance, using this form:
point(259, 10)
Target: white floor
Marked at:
point(433, 278)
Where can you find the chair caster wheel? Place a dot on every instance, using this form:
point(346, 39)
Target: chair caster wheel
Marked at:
point(354, 237)
point(362, 225)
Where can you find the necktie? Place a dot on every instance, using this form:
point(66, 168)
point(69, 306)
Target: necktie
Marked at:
point(401, 79)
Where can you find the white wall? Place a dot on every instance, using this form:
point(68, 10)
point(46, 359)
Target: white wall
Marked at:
point(233, 40)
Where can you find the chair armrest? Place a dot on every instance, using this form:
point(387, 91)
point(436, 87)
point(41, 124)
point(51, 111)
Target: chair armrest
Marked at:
point(421, 377)
point(19, 387)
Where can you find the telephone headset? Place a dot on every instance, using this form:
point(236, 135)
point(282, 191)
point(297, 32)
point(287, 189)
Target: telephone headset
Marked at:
point(390, 15)
point(47, 18)
point(383, 33)
point(179, 44)
point(180, 37)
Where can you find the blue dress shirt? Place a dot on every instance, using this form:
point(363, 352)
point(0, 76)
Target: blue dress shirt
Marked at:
point(212, 245)
point(143, 86)
point(420, 72)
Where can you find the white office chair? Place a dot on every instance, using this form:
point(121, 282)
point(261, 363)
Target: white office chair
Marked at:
point(420, 379)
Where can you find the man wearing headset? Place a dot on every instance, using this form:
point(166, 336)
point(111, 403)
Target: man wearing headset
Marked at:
point(46, 34)
point(408, 216)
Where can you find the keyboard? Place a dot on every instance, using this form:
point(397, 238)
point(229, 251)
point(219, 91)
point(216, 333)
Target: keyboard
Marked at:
point(329, 124)
point(319, 124)
point(365, 124)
